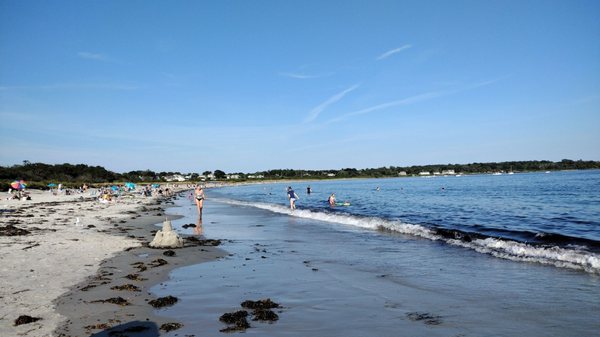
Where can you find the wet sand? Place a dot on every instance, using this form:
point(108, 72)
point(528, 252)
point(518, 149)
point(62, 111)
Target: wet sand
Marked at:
point(53, 246)
point(117, 299)
point(334, 280)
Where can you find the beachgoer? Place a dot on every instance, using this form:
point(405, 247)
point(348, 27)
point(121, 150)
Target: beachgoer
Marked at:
point(292, 196)
point(199, 196)
point(331, 199)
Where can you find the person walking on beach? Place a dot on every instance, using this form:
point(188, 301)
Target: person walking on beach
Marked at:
point(292, 196)
point(199, 196)
point(331, 199)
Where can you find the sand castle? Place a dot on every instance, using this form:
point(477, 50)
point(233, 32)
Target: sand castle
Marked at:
point(167, 237)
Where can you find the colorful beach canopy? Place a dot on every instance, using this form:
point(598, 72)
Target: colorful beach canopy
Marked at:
point(130, 185)
point(155, 185)
point(18, 184)
point(52, 185)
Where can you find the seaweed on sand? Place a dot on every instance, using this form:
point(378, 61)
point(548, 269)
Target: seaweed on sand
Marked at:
point(26, 319)
point(170, 326)
point(237, 320)
point(114, 300)
point(163, 301)
point(10, 230)
point(128, 287)
point(260, 304)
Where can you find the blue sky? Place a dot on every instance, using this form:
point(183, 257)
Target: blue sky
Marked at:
point(243, 86)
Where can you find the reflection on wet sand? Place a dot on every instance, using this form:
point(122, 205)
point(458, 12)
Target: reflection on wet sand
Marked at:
point(199, 229)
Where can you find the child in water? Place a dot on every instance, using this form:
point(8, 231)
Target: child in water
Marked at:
point(292, 196)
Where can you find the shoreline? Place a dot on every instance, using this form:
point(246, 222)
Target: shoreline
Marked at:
point(87, 317)
point(61, 244)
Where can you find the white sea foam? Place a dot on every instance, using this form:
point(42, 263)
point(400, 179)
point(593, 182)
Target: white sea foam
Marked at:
point(506, 249)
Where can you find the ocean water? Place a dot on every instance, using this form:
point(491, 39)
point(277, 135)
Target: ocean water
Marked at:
point(551, 218)
point(479, 255)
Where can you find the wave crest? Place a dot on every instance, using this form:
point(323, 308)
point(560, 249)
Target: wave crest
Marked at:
point(575, 258)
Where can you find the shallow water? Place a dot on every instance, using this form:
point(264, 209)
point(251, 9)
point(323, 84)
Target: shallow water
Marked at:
point(333, 279)
point(547, 218)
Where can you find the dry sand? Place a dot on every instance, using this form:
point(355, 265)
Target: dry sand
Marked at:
point(60, 256)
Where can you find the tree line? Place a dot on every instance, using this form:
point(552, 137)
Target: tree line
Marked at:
point(41, 173)
point(395, 171)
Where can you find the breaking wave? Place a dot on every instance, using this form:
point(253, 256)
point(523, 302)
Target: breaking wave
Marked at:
point(544, 248)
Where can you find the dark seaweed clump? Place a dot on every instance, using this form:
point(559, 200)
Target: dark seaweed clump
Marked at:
point(25, 319)
point(237, 320)
point(262, 309)
point(207, 242)
point(169, 253)
point(128, 287)
point(114, 300)
point(158, 263)
point(427, 318)
point(135, 277)
point(260, 304)
point(264, 315)
point(163, 301)
point(10, 230)
point(170, 326)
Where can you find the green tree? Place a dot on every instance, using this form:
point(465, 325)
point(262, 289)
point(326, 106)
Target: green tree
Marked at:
point(219, 174)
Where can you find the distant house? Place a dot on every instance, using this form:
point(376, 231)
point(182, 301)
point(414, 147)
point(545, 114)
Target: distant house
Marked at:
point(436, 173)
point(233, 176)
point(256, 176)
point(448, 172)
point(175, 177)
point(424, 173)
point(402, 173)
point(331, 174)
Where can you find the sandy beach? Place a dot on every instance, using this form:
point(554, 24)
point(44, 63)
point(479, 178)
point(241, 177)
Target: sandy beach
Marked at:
point(60, 245)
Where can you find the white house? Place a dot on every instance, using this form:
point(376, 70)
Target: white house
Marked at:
point(175, 177)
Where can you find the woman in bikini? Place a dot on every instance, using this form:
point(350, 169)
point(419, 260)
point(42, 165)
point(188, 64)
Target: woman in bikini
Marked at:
point(199, 197)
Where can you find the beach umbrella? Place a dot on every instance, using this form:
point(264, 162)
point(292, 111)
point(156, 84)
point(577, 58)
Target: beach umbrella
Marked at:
point(130, 185)
point(155, 185)
point(18, 184)
point(115, 188)
point(51, 185)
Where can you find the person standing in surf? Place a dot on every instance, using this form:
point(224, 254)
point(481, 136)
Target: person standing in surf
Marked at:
point(331, 199)
point(199, 197)
point(292, 196)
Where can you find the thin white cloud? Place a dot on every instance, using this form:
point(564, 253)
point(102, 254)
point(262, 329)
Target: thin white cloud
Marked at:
point(413, 99)
point(92, 56)
point(405, 101)
point(393, 51)
point(316, 111)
